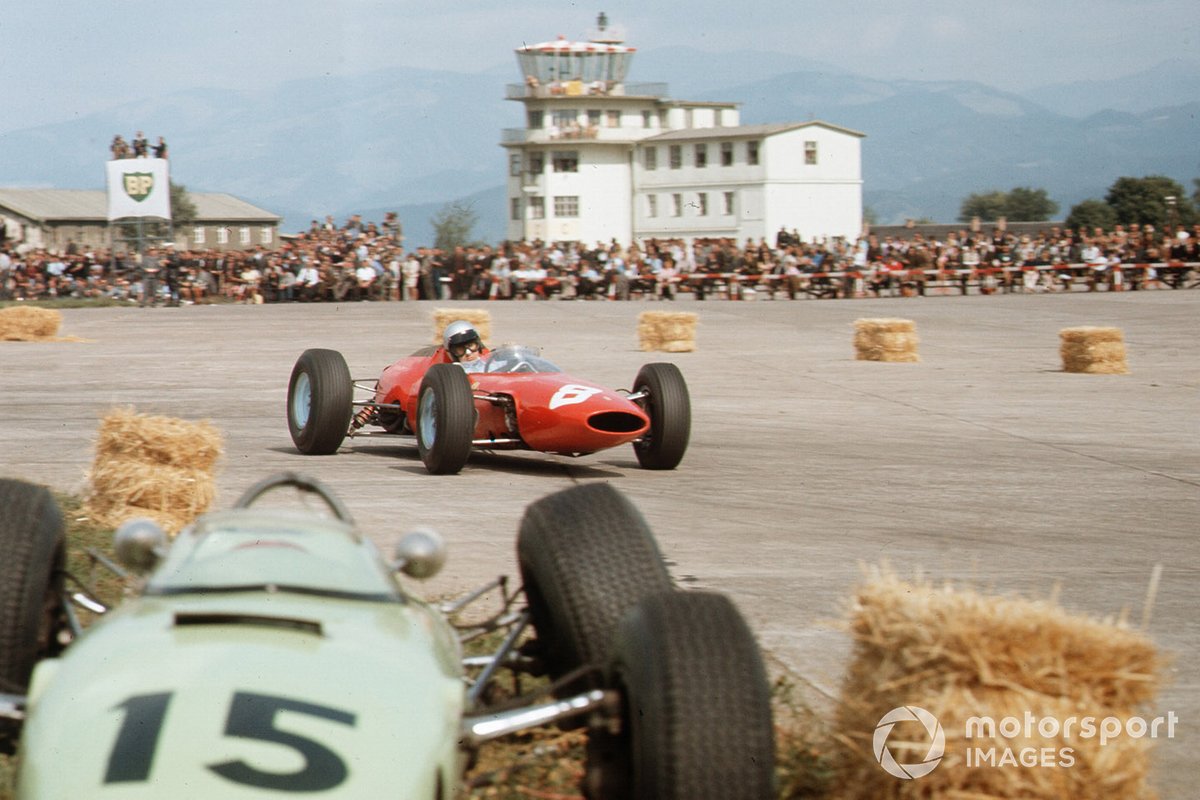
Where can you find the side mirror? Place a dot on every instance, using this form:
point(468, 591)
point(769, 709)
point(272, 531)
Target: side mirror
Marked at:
point(140, 544)
point(420, 553)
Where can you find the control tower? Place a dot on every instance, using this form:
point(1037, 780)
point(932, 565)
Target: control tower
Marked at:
point(569, 167)
point(602, 159)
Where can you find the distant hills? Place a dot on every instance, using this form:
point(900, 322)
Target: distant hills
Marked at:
point(410, 140)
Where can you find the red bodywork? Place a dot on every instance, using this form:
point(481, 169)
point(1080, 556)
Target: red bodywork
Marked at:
point(548, 411)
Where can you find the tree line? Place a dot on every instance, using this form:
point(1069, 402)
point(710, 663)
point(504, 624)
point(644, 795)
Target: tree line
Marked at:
point(1153, 200)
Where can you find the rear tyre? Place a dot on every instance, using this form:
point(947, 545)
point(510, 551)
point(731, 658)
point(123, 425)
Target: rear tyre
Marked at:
point(669, 407)
point(586, 557)
point(445, 419)
point(31, 589)
point(697, 716)
point(320, 402)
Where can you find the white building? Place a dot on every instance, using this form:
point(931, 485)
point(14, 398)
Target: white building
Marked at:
point(602, 159)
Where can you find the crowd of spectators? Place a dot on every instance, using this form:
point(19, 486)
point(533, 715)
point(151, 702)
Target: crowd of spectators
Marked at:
point(358, 261)
point(137, 147)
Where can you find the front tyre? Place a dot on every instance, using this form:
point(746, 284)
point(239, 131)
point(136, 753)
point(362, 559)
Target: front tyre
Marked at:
point(32, 564)
point(445, 419)
point(697, 707)
point(669, 407)
point(586, 557)
point(320, 402)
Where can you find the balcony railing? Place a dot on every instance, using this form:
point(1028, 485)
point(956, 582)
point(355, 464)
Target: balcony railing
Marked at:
point(519, 91)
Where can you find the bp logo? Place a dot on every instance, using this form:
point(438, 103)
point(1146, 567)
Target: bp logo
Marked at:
point(138, 185)
point(933, 728)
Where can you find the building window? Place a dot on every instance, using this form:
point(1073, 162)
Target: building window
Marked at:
point(198, 234)
point(752, 153)
point(514, 164)
point(702, 203)
point(726, 154)
point(650, 157)
point(810, 153)
point(514, 211)
point(701, 156)
point(222, 235)
point(536, 119)
point(566, 206)
point(565, 160)
point(651, 205)
point(537, 207)
point(675, 153)
point(565, 118)
point(244, 235)
point(266, 235)
point(537, 163)
point(593, 116)
point(729, 205)
point(677, 205)
point(647, 119)
point(614, 118)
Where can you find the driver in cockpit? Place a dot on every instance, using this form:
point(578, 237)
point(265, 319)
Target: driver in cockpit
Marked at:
point(462, 342)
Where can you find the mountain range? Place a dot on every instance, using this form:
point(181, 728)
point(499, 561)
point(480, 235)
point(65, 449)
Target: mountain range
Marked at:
point(411, 140)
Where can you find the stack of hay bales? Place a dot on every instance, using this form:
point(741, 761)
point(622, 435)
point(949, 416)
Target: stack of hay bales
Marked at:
point(480, 318)
point(885, 340)
point(28, 323)
point(1092, 350)
point(161, 468)
point(668, 331)
point(1028, 666)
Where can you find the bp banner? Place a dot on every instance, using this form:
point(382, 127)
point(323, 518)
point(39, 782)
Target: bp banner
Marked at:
point(138, 187)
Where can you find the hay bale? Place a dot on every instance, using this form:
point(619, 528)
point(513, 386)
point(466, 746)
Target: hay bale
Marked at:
point(152, 466)
point(480, 318)
point(961, 655)
point(668, 331)
point(892, 340)
point(28, 323)
point(1092, 350)
point(167, 441)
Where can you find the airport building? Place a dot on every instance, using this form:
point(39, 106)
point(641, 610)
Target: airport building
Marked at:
point(601, 158)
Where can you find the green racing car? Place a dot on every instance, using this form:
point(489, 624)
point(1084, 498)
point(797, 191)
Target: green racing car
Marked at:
point(272, 650)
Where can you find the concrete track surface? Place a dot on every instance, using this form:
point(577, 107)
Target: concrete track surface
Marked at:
point(984, 463)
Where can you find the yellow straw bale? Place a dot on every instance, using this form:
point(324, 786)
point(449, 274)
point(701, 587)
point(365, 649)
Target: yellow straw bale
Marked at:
point(126, 434)
point(28, 323)
point(152, 466)
point(481, 318)
point(671, 332)
point(961, 655)
point(1093, 350)
point(886, 340)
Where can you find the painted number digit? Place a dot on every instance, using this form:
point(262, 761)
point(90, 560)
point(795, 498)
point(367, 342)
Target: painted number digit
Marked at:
point(252, 716)
point(133, 753)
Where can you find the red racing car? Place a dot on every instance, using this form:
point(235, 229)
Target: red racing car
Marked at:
point(509, 399)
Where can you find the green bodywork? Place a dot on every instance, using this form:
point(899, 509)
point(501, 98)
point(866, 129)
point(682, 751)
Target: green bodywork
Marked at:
point(269, 655)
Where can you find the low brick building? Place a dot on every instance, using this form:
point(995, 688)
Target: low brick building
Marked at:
point(54, 219)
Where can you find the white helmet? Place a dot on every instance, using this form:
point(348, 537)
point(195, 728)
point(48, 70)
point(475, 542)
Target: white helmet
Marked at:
point(457, 335)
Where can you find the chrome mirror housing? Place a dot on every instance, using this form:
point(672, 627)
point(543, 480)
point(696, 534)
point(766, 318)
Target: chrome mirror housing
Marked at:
point(420, 553)
point(140, 544)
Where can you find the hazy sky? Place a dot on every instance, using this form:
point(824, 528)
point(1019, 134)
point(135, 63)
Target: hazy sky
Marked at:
point(63, 58)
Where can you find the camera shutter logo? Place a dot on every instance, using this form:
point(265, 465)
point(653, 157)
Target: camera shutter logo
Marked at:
point(937, 742)
point(138, 185)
